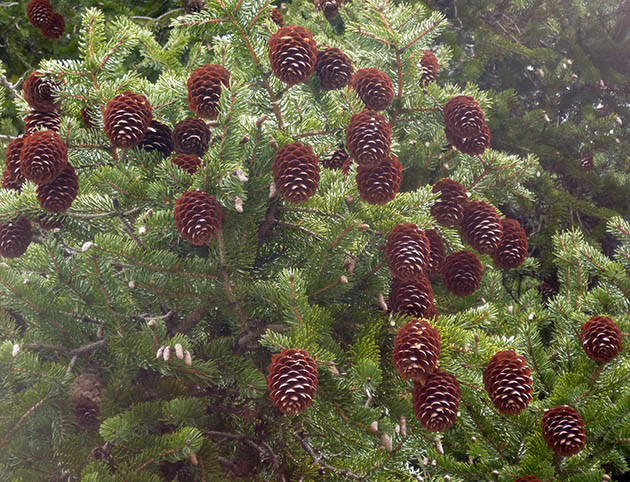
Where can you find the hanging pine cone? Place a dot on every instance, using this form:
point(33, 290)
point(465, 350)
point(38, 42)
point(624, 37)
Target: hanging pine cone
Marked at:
point(368, 138)
point(428, 68)
point(204, 90)
point(482, 226)
point(587, 161)
point(55, 28)
point(43, 157)
point(436, 402)
point(48, 222)
point(12, 177)
point(512, 250)
point(197, 217)
point(88, 116)
point(563, 430)
point(347, 166)
point(437, 253)
point(15, 236)
point(296, 172)
point(527, 478)
point(158, 138)
point(601, 339)
point(85, 399)
point(188, 162)
point(194, 6)
point(463, 116)
point(330, 8)
point(36, 120)
point(127, 118)
point(380, 184)
point(334, 68)
point(473, 146)
point(292, 380)
point(191, 136)
point(462, 273)
point(58, 195)
point(292, 53)
point(337, 160)
point(448, 209)
point(374, 88)
point(276, 16)
point(39, 12)
point(508, 382)
point(413, 298)
point(39, 93)
point(416, 349)
point(407, 250)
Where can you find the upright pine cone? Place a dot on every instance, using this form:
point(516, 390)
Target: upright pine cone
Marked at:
point(55, 27)
point(527, 478)
point(436, 402)
point(296, 172)
point(368, 138)
point(587, 161)
point(39, 12)
point(462, 273)
point(413, 298)
point(428, 68)
point(276, 16)
point(563, 430)
point(463, 116)
point(473, 146)
point(44, 155)
point(12, 177)
point(337, 160)
point(374, 88)
point(448, 209)
point(482, 226)
point(158, 138)
point(416, 349)
point(191, 136)
point(39, 93)
point(188, 162)
point(15, 236)
point(58, 195)
point(85, 398)
point(292, 380)
point(334, 68)
point(292, 53)
point(127, 118)
point(512, 250)
point(35, 120)
point(437, 253)
point(380, 184)
point(197, 217)
point(508, 383)
point(601, 339)
point(204, 90)
point(407, 250)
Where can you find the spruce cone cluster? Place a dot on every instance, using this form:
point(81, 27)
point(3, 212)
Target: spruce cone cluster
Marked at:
point(601, 339)
point(368, 138)
point(337, 160)
point(36, 120)
point(407, 252)
point(158, 138)
point(437, 253)
point(191, 136)
point(428, 67)
point(462, 273)
point(188, 162)
point(42, 15)
point(15, 236)
point(44, 155)
point(466, 126)
point(197, 217)
point(512, 250)
point(482, 226)
point(59, 194)
point(508, 382)
point(127, 118)
point(12, 177)
point(296, 172)
point(563, 430)
point(204, 90)
point(334, 69)
point(413, 298)
point(380, 184)
point(292, 380)
point(39, 93)
point(374, 88)
point(85, 398)
point(448, 209)
point(436, 402)
point(416, 350)
point(292, 53)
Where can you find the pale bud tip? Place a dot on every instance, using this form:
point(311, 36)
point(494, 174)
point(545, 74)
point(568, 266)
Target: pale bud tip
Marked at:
point(86, 246)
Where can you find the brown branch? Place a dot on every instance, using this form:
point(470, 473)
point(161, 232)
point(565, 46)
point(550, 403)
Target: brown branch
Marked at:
point(317, 459)
point(420, 35)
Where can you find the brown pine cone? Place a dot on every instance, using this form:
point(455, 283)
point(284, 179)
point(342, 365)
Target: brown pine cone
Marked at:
point(482, 226)
point(334, 69)
point(407, 250)
point(87, 115)
point(374, 88)
point(338, 159)
point(55, 27)
point(127, 118)
point(463, 116)
point(276, 16)
point(528, 478)
point(36, 120)
point(563, 430)
point(380, 184)
point(158, 138)
point(508, 382)
point(473, 146)
point(39, 12)
point(512, 250)
point(187, 162)
point(413, 298)
point(85, 399)
point(204, 90)
point(437, 253)
point(191, 136)
point(601, 339)
point(43, 157)
point(58, 195)
point(39, 93)
point(296, 172)
point(292, 380)
point(15, 236)
point(462, 273)
point(428, 67)
point(197, 217)
point(368, 138)
point(436, 402)
point(12, 177)
point(416, 349)
point(48, 222)
point(448, 209)
point(194, 6)
point(587, 161)
point(330, 8)
point(292, 53)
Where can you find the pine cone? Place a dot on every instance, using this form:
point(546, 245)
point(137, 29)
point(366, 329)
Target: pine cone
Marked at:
point(197, 217)
point(57, 196)
point(12, 177)
point(601, 339)
point(416, 350)
point(462, 273)
point(292, 53)
point(407, 252)
point(587, 161)
point(508, 383)
point(276, 16)
point(158, 138)
point(413, 298)
point(55, 28)
point(334, 69)
point(437, 253)
point(127, 118)
point(204, 90)
point(473, 146)
point(512, 250)
point(43, 157)
point(463, 116)
point(436, 401)
point(528, 478)
point(36, 120)
point(39, 12)
point(39, 93)
point(374, 88)
point(292, 380)
point(330, 8)
point(448, 209)
point(368, 138)
point(296, 172)
point(194, 6)
point(48, 222)
point(380, 184)
point(428, 67)
point(337, 160)
point(88, 115)
point(85, 398)
point(482, 226)
point(563, 430)
point(15, 236)
point(187, 162)
point(191, 136)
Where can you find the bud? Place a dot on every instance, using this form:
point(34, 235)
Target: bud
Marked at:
point(187, 358)
point(334, 370)
point(438, 447)
point(272, 190)
point(495, 474)
point(447, 478)
point(26, 281)
point(446, 166)
point(618, 120)
point(403, 426)
point(473, 438)
point(179, 351)
point(149, 213)
point(273, 143)
point(244, 140)
point(387, 442)
point(4, 265)
point(16, 350)
point(238, 204)
point(87, 245)
point(260, 120)
point(350, 264)
point(142, 230)
point(151, 324)
point(343, 280)
point(363, 227)
point(381, 302)
point(241, 175)
point(511, 309)
point(131, 284)
point(349, 200)
point(160, 350)
point(193, 459)
point(167, 353)
point(99, 332)
point(547, 118)
point(531, 316)
point(373, 427)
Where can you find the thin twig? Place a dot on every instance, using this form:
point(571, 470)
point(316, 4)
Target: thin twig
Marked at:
point(317, 459)
point(9, 86)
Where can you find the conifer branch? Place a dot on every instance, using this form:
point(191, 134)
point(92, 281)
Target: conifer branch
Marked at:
point(226, 282)
point(22, 419)
point(318, 459)
point(9, 86)
point(420, 35)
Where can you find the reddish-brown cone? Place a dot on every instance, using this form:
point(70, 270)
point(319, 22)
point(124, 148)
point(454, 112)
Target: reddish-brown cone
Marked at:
point(36, 120)
point(413, 298)
point(527, 478)
point(55, 27)
point(87, 115)
point(296, 172)
point(601, 339)
point(512, 250)
point(482, 226)
point(330, 8)
point(587, 161)
point(463, 116)
point(127, 118)
point(407, 250)
point(158, 138)
point(197, 217)
point(338, 159)
point(380, 184)
point(448, 209)
point(292, 53)
point(204, 90)
point(462, 273)
point(276, 16)
point(292, 380)
point(57, 196)
point(12, 177)
point(436, 402)
point(44, 155)
point(428, 68)
point(437, 253)
point(15, 236)
point(374, 88)
point(563, 430)
point(508, 382)
point(334, 69)
point(85, 399)
point(39, 93)
point(191, 136)
point(473, 146)
point(39, 12)
point(368, 138)
point(416, 349)
point(188, 162)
